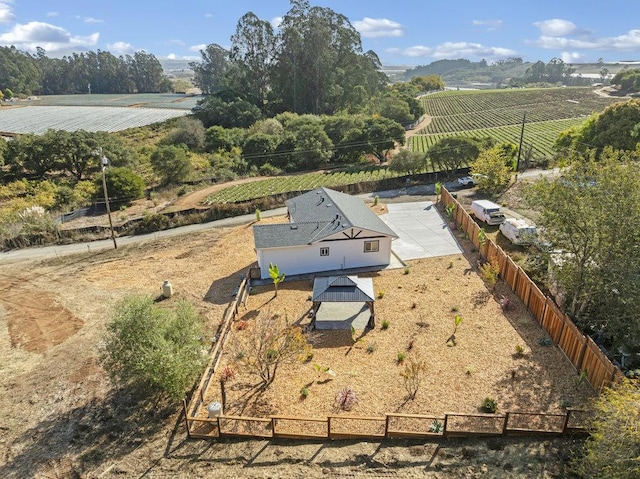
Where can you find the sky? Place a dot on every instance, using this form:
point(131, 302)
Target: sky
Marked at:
point(411, 32)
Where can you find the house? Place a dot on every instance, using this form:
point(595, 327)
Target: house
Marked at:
point(327, 231)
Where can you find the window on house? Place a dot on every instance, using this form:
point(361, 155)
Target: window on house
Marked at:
point(371, 246)
point(324, 251)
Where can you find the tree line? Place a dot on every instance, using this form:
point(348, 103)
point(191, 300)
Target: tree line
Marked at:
point(24, 74)
point(313, 64)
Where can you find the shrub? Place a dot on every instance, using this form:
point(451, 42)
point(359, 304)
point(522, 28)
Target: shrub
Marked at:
point(371, 348)
point(123, 185)
point(436, 427)
point(385, 324)
point(228, 374)
point(489, 405)
point(171, 163)
point(304, 392)
point(258, 215)
point(489, 272)
point(153, 349)
point(376, 200)
point(407, 270)
point(412, 375)
point(401, 357)
point(242, 325)
point(346, 399)
point(544, 341)
point(519, 350)
point(380, 294)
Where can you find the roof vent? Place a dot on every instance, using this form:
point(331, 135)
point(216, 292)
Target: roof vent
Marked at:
point(329, 205)
point(294, 227)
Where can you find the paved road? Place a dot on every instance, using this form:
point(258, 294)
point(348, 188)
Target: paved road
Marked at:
point(403, 195)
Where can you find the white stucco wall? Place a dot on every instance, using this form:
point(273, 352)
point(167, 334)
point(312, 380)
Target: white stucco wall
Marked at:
point(343, 254)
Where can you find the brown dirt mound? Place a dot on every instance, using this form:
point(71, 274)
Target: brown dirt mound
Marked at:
point(36, 320)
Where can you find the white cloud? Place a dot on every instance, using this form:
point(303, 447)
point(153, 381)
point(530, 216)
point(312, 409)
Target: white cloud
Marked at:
point(52, 14)
point(456, 50)
point(557, 27)
point(120, 48)
point(197, 48)
point(276, 22)
point(490, 24)
point(629, 41)
point(53, 39)
point(378, 27)
point(172, 56)
point(6, 13)
point(92, 20)
point(571, 57)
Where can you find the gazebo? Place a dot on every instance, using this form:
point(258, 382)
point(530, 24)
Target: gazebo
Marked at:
point(343, 302)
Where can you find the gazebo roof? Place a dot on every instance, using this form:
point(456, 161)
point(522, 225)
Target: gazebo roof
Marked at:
point(343, 289)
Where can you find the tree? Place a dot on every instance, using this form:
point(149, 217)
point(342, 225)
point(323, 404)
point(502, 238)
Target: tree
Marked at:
point(409, 162)
point(152, 349)
point(276, 276)
point(451, 153)
point(492, 171)
point(319, 63)
point(591, 216)
point(271, 343)
point(613, 448)
point(171, 163)
point(252, 55)
point(189, 132)
point(123, 184)
point(209, 74)
point(616, 126)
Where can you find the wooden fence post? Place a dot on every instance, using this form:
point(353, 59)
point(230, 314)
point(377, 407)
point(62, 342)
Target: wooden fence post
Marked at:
point(329, 427)
point(504, 424)
point(566, 420)
point(386, 426)
point(186, 417)
point(444, 424)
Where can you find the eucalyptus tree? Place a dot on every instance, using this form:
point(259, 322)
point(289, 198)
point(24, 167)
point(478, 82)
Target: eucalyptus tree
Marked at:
point(319, 61)
point(209, 74)
point(251, 55)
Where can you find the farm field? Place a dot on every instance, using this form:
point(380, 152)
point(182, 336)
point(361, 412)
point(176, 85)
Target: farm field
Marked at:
point(61, 416)
point(540, 136)
point(39, 119)
point(147, 100)
point(303, 182)
point(499, 113)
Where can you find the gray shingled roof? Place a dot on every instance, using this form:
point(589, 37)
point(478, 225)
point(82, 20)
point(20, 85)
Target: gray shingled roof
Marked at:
point(316, 215)
point(343, 289)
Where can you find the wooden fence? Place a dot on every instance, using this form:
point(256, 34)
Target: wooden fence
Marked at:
point(239, 297)
point(581, 350)
point(392, 425)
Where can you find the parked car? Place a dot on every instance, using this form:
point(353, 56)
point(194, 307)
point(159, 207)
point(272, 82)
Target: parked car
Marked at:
point(487, 211)
point(519, 232)
point(466, 182)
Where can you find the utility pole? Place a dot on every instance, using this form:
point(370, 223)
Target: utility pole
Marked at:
point(524, 117)
point(105, 162)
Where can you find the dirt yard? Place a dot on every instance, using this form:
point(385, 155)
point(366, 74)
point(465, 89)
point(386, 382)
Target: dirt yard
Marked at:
point(60, 417)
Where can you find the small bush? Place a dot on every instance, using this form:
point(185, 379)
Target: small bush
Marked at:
point(346, 399)
point(489, 272)
point(227, 374)
point(258, 215)
point(450, 265)
point(376, 200)
point(385, 324)
point(454, 309)
point(371, 348)
point(308, 357)
point(242, 325)
point(544, 341)
point(519, 350)
point(401, 357)
point(489, 405)
point(436, 427)
point(407, 270)
point(380, 294)
point(304, 392)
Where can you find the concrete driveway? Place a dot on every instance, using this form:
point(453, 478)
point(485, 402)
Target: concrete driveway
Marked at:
point(422, 232)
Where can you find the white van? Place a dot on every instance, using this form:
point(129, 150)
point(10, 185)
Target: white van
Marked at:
point(519, 231)
point(487, 211)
